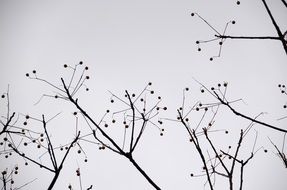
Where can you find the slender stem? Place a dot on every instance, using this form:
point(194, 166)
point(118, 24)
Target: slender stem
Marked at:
point(241, 175)
point(198, 148)
point(284, 2)
point(50, 145)
point(133, 120)
point(203, 160)
point(242, 168)
point(90, 119)
point(230, 177)
point(120, 151)
point(59, 169)
point(236, 152)
point(4, 182)
point(140, 133)
point(216, 153)
point(143, 172)
point(234, 160)
point(53, 182)
point(7, 124)
point(247, 117)
point(249, 37)
point(31, 160)
point(281, 36)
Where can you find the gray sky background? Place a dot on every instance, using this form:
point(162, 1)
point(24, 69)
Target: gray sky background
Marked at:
point(126, 44)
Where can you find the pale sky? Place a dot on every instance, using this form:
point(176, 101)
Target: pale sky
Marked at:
point(127, 44)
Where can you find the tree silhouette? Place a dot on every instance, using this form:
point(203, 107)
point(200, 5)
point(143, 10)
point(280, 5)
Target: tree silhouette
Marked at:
point(137, 115)
point(28, 139)
point(219, 95)
point(138, 111)
point(222, 36)
point(217, 161)
point(17, 138)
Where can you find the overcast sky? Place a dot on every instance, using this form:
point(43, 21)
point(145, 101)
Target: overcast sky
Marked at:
point(127, 44)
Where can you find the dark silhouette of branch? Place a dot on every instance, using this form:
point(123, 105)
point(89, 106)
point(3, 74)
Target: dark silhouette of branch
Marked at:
point(90, 187)
point(247, 117)
point(216, 162)
point(140, 133)
point(50, 145)
point(133, 120)
point(136, 118)
point(129, 156)
point(9, 181)
point(280, 34)
point(235, 156)
point(60, 167)
point(221, 36)
point(242, 164)
point(284, 2)
point(281, 153)
point(216, 154)
point(90, 119)
point(195, 141)
point(230, 172)
point(117, 149)
point(248, 37)
point(15, 149)
point(210, 166)
point(223, 101)
point(6, 125)
point(57, 168)
point(4, 180)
